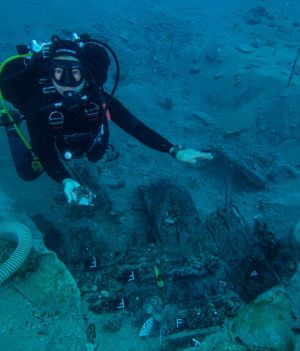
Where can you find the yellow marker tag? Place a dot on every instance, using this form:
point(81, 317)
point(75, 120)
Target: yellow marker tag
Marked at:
point(159, 281)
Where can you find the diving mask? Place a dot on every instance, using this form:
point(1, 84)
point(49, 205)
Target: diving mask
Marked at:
point(67, 72)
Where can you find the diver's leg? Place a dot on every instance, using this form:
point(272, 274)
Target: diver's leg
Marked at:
point(21, 156)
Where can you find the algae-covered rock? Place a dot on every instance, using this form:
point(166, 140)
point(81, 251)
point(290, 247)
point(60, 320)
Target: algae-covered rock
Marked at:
point(42, 278)
point(294, 288)
point(266, 322)
point(51, 284)
point(222, 342)
point(297, 343)
point(296, 235)
point(40, 307)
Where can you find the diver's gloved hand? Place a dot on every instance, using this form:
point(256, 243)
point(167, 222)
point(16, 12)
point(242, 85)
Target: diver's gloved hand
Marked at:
point(69, 189)
point(189, 155)
point(78, 194)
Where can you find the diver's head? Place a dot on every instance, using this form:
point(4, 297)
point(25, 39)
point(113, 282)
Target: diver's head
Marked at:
point(67, 69)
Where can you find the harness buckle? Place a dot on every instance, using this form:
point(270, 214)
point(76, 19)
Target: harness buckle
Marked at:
point(45, 53)
point(49, 90)
point(56, 120)
point(92, 111)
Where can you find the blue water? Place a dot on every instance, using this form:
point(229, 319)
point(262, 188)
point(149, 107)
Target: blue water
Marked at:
point(218, 76)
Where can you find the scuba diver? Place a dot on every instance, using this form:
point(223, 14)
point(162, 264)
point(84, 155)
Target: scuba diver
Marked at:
point(57, 87)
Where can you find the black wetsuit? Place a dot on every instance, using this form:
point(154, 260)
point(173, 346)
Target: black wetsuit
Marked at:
point(55, 131)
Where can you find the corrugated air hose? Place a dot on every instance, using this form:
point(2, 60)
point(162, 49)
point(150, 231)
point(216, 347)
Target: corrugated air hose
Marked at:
point(14, 231)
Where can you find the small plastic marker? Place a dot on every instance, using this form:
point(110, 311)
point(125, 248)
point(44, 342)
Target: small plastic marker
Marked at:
point(178, 322)
point(93, 263)
point(196, 342)
point(121, 305)
point(253, 274)
point(131, 276)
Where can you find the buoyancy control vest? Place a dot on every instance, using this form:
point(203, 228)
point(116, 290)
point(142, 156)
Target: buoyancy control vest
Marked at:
point(39, 53)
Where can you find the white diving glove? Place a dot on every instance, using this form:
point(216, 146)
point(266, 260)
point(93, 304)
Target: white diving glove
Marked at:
point(77, 194)
point(189, 155)
point(69, 186)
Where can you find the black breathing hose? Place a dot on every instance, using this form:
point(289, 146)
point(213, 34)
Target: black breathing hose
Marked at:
point(101, 43)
